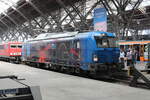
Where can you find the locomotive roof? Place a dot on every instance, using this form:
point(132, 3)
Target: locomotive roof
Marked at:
point(96, 33)
point(56, 35)
point(44, 36)
point(11, 42)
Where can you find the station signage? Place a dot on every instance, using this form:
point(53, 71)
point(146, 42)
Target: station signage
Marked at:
point(100, 19)
point(8, 91)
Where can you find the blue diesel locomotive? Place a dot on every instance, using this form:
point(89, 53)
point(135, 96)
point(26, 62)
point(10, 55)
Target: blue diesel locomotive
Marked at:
point(92, 52)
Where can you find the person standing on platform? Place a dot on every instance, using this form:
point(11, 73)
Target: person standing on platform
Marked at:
point(122, 56)
point(129, 57)
point(130, 60)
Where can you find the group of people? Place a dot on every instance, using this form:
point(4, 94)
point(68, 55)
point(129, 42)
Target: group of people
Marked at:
point(131, 56)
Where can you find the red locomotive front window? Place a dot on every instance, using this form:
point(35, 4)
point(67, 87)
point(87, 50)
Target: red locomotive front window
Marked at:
point(19, 46)
point(13, 46)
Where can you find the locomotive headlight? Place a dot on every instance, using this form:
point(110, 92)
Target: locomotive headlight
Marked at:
point(95, 58)
point(11, 53)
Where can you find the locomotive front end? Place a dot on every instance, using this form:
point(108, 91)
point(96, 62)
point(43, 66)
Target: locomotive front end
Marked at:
point(105, 56)
point(106, 49)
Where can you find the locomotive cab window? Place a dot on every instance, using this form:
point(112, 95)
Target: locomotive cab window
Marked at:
point(13, 46)
point(105, 42)
point(101, 42)
point(19, 46)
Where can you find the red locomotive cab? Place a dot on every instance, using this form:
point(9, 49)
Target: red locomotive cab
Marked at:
point(11, 51)
point(15, 49)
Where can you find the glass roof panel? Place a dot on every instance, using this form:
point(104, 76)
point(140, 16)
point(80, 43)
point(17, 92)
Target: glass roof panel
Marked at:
point(5, 4)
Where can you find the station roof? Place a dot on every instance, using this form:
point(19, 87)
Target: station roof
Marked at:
point(29, 9)
point(26, 10)
point(140, 19)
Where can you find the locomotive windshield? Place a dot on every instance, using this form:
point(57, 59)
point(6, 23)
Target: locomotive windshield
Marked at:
point(19, 46)
point(16, 46)
point(105, 42)
point(13, 46)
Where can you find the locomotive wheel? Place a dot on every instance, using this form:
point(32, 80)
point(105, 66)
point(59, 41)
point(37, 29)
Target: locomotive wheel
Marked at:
point(42, 65)
point(70, 70)
point(53, 67)
point(7, 60)
point(62, 69)
point(77, 70)
point(93, 74)
point(46, 66)
point(57, 68)
point(49, 66)
point(37, 65)
point(11, 61)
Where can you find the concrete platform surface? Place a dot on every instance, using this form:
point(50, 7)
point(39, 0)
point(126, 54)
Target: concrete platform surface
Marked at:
point(57, 86)
point(12, 84)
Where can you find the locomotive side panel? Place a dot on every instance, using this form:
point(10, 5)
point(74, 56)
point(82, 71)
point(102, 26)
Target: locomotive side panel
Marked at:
point(52, 51)
point(67, 52)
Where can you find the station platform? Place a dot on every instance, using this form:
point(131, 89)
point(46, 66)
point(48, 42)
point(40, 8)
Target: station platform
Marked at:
point(138, 65)
point(58, 86)
point(12, 89)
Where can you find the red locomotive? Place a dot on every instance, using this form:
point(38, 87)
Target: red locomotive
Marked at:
point(11, 51)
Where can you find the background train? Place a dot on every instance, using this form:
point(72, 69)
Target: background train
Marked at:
point(92, 52)
point(141, 46)
point(142, 49)
point(11, 51)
